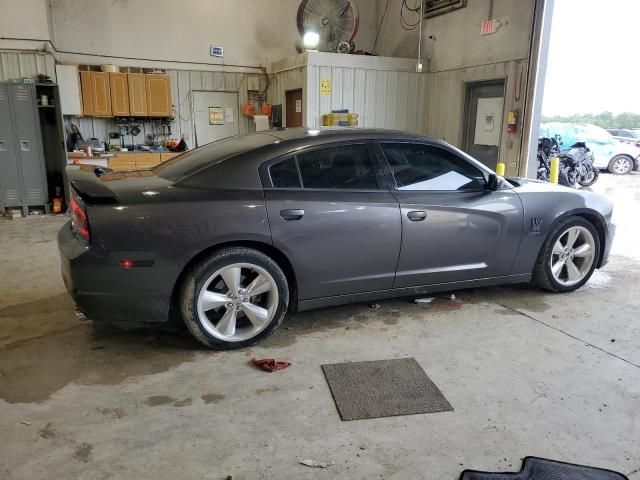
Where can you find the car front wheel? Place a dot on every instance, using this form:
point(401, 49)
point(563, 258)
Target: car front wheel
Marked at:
point(235, 298)
point(620, 165)
point(568, 257)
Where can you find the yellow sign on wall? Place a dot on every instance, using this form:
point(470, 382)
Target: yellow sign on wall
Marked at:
point(325, 86)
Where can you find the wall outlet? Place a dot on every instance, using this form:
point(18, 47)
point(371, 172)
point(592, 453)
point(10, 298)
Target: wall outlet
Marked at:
point(216, 51)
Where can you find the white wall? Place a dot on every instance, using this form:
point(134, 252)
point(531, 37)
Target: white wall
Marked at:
point(456, 40)
point(24, 19)
point(252, 32)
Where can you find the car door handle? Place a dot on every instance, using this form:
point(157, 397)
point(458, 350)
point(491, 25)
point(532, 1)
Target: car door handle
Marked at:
point(293, 214)
point(417, 215)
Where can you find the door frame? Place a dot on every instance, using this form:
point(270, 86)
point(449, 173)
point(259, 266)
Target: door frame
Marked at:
point(285, 116)
point(466, 114)
point(192, 108)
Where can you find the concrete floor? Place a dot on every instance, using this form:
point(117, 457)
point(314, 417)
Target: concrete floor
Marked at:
point(527, 372)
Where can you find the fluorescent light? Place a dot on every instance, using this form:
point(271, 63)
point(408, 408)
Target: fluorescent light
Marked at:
point(311, 40)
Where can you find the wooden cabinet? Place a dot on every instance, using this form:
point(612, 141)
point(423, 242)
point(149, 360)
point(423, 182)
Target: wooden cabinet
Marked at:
point(125, 161)
point(146, 160)
point(158, 95)
point(119, 87)
point(126, 94)
point(87, 93)
point(101, 92)
point(168, 155)
point(137, 95)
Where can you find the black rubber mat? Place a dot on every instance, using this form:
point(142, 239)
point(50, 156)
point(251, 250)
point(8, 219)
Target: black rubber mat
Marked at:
point(383, 388)
point(534, 468)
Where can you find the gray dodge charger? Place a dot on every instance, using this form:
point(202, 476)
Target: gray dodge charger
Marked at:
point(233, 235)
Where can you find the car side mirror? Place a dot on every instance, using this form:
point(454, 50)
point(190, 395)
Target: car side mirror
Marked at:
point(493, 182)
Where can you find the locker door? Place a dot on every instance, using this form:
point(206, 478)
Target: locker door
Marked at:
point(9, 177)
point(28, 144)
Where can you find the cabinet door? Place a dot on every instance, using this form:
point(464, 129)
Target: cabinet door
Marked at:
point(146, 160)
point(137, 95)
point(101, 94)
point(87, 93)
point(121, 162)
point(9, 176)
point(168, 156)
point(158, 95)
point(119, 94)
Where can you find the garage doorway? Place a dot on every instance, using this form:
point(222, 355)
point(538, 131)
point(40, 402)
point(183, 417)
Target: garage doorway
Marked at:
point(483, 119)
point(294, 108)
point(215, 115)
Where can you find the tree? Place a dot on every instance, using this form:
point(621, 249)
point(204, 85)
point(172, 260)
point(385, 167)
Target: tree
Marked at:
point(603, 119)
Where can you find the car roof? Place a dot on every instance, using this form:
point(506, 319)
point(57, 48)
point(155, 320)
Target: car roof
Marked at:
point(329, 134)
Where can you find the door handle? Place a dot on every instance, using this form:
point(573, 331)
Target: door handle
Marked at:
point(292, 214)
point(417, 215)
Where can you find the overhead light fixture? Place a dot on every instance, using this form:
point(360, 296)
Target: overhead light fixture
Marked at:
point(311, 40)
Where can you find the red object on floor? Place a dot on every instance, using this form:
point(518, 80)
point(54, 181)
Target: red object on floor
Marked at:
point(270, 364)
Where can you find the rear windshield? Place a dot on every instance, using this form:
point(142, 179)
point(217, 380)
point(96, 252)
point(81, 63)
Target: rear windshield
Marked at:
point(193, 160)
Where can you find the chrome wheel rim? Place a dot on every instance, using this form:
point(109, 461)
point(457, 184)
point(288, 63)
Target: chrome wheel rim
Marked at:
point(572, 256)
point(237, 302)
point(621, 166)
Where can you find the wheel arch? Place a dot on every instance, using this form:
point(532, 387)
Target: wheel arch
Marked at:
point(594, 218)
point(634, 164)
point(272, 252)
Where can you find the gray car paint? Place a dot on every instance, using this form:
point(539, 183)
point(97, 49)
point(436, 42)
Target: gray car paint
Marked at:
point(344, 252)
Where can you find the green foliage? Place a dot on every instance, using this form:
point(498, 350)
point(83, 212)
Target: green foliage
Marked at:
point(604, 119)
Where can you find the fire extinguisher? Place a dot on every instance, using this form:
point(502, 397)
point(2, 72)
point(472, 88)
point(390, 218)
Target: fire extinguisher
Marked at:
point(57, 202)
point(512, 121)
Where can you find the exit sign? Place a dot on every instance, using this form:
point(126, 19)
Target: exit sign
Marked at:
point(217, 51)
point(488, 27)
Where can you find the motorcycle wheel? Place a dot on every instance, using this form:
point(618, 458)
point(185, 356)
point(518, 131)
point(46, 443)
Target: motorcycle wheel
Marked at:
point(590, 178)
point(568, 177)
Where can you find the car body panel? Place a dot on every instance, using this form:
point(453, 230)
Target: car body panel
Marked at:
point(466, 235)
point(346, 249)
point(599, 141)
point(346, 242)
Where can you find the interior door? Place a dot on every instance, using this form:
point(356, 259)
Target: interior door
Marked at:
point(453, 228)
point(294, 108)
point(483, 121)
point(215, 115)
point(341, 231)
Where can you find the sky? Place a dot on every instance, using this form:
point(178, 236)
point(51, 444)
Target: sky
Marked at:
point(594, 58)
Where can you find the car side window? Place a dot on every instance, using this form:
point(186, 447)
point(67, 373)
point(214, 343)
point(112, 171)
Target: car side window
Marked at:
point(285, 174)
point(430, 168)
point(339, 167)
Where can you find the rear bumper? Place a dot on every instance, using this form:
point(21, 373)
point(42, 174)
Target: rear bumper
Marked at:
point(103, 290)
point(609, 234)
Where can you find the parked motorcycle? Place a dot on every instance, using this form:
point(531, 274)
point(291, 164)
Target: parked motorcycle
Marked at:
point(579, 159)
point(576, 163)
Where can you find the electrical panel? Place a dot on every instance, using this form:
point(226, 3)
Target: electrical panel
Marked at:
point(433, 8)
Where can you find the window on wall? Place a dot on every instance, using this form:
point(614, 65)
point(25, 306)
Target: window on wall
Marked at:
point(429, 168)
point(433, 8)
point(342, 167)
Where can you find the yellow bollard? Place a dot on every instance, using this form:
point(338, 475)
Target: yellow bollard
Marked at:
point(555, 170)
point(500, 169)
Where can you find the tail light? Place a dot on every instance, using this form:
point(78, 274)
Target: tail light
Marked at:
point(79, 219)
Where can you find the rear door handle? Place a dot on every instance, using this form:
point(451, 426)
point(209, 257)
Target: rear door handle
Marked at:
point(417, 215)
point(290, 215)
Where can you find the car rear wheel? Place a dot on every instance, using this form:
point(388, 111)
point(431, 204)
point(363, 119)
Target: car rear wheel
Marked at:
point(235, 298)
point(568, 257)
point(620, 165)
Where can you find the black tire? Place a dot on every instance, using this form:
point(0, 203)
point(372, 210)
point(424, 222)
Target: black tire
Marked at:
point(593, 179)
point(542, 275)
point(196, 279)
point(620, 158)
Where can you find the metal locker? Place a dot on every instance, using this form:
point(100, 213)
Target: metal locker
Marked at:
point(29, 144)
point(9, 176)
